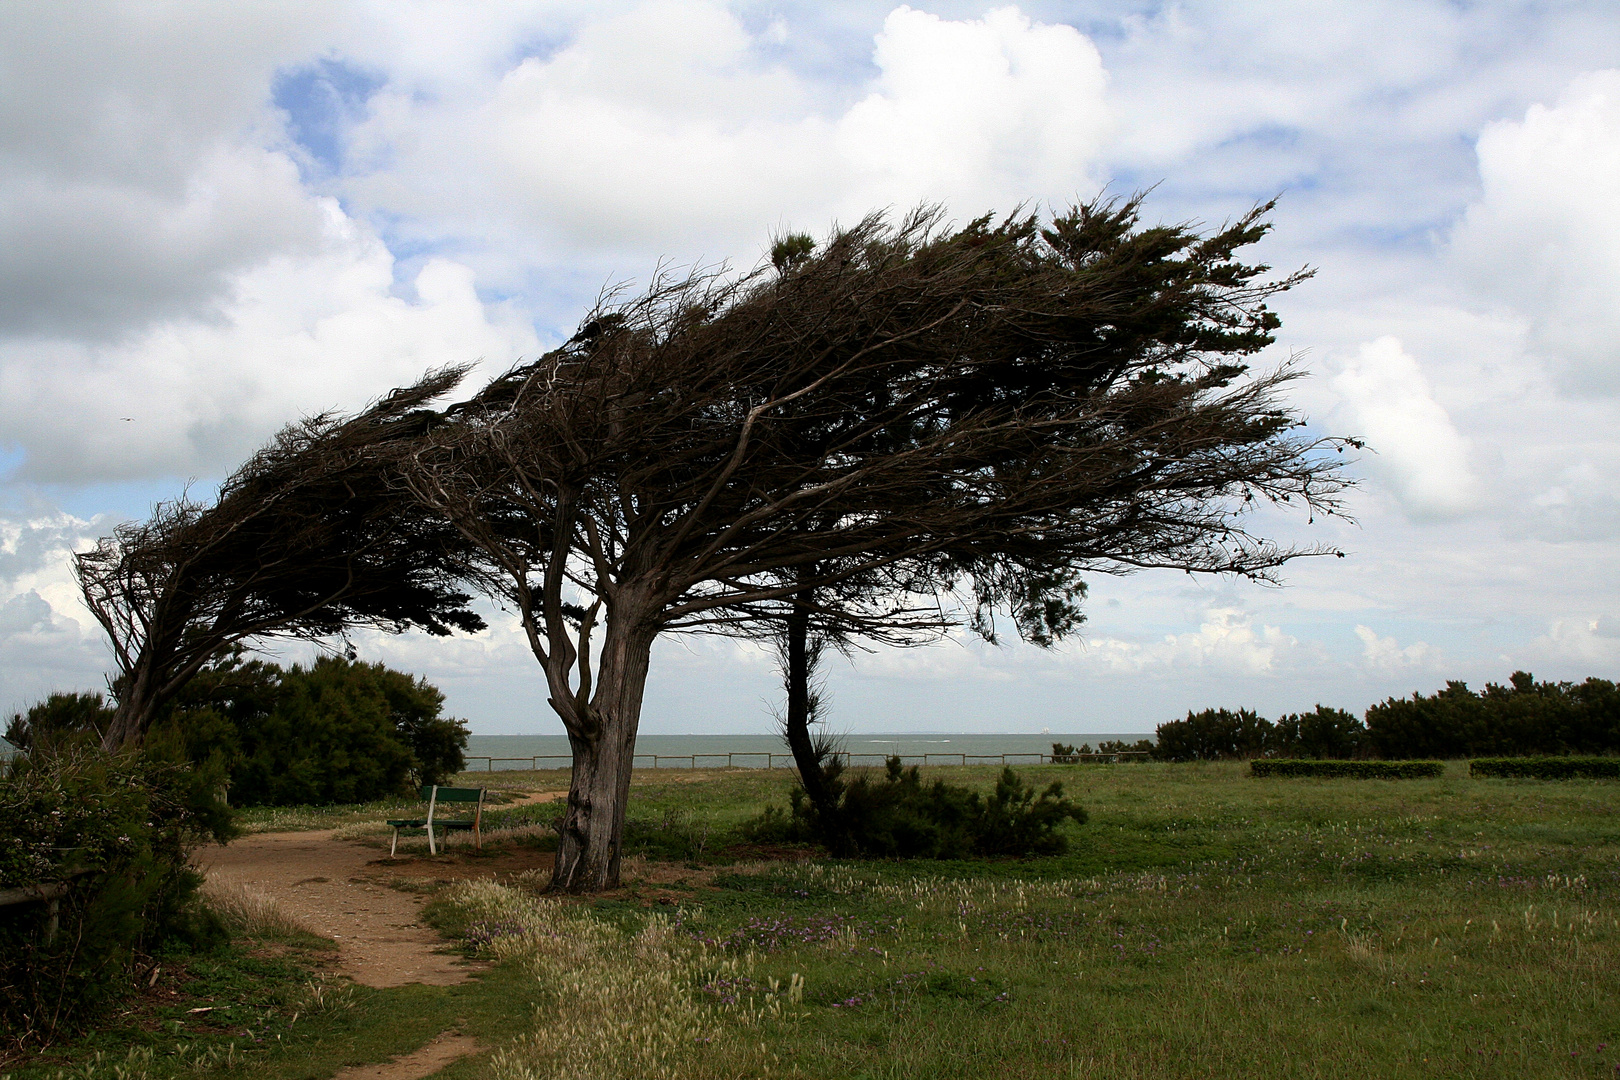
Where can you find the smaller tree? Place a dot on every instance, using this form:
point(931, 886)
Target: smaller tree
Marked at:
point(901, 817)
point(1320, 733)
point(61, 717)
point(306, 540)
point(335, 731)
point(1214, 735)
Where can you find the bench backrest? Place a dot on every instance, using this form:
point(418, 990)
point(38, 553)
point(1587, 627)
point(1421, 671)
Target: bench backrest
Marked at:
point(454, 794)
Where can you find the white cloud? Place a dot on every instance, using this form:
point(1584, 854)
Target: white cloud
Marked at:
point(1227, 641)
point(1572, 647)
point(669, 128)
point(137, 165)
point(299, 335)
point(1386, 652)
point(48, 640)
point(1412, 434)
point(1544, 238)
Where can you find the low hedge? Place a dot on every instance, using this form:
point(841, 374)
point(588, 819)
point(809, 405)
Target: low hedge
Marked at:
point(1354, 770)
point(1548, 768)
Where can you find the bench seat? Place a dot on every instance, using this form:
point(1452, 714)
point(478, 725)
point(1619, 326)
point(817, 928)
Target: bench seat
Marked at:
point(432, 824)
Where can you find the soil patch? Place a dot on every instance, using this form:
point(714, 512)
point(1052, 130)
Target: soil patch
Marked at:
point(333, 888)
point(424, 1062)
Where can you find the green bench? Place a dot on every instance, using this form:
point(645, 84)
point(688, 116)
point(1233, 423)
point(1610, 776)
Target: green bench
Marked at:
point(434, 796)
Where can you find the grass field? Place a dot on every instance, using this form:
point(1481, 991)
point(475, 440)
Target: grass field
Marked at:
point(1202, 924)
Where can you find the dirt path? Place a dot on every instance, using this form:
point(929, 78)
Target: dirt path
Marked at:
point(424, 1062)
point(327, 885)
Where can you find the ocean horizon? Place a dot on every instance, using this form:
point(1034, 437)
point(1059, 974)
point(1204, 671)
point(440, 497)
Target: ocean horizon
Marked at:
point(860, 745)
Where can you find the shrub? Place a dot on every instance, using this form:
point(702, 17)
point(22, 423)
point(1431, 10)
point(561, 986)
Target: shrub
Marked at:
point(1321, 733)
point(337, 731)
point(1548, 768)
point(1353, 770)
point(1120, 746)
point(72, 717)
point(1525, 717)
point(1213, 735)
point(116, 831)
point(1070, 755)
point(901, 817)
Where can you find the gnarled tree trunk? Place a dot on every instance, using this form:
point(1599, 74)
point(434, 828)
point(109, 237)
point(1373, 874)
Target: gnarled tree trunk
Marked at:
point(604, 749)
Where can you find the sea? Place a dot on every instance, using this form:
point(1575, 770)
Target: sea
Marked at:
point(757, 751)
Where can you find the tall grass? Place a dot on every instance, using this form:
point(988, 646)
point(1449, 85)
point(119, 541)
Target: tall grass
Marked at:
point(250, 913)
point(614, 1004)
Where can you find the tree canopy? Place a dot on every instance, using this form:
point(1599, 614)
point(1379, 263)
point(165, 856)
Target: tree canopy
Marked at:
point(1000, 408)
point(305, 540)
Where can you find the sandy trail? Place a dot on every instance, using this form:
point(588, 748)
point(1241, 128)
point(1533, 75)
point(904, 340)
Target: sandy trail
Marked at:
point(425, 1062)
point(339, 889)
point(331, 887)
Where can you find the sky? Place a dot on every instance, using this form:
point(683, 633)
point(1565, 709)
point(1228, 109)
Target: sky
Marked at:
point(218, 218)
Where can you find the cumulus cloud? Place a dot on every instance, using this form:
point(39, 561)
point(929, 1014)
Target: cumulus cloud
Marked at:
point(1572, 648)
point(299, 335)
point(1543, 237)
point(1227, 641)
point(669, 126)
point(138, 170)
point(48, 640)
point(1415, 441)
point(1387, 653)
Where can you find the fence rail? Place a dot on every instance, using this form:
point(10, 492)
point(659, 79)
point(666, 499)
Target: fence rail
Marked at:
point(753, 758)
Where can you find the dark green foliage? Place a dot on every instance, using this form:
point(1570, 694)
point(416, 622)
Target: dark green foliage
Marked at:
point(1353, 770)
point(116, 829)
point(1069, 754)
point(1221, 735)
point(901, 817)
point(1213, 735)
point(1524, 717)
point(1320, 733)
point(338, 731)
point(71, 717)
point(1548, 768)
point(1120, 746)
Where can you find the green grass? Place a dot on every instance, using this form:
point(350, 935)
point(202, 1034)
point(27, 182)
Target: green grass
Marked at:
point(1203, 923)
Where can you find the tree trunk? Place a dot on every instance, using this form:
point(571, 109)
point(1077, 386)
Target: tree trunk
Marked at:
point(604, 752)
point(133, 713)
point(797, 723)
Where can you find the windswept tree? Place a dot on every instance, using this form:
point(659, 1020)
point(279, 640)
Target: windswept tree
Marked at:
point(305, 540)
point(1008, 403)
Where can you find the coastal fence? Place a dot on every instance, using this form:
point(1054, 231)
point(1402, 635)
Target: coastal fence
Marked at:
point(762, 759)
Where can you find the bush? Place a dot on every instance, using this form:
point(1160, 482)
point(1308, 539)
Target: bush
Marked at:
point(900, 817)
point(336, 732)
point(1213, 735)
point(73, 717)
point(1321, 733)
point(116, 830)
point(1120, 746)
point(1523, 718)
point(1071, 755)
point(1548, 768)
point(1353, 770)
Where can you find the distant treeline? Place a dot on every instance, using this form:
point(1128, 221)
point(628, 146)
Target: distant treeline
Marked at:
point(337, 731)
point(1522, 718)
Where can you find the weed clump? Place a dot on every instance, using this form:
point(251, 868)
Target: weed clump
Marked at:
point(901, 817)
